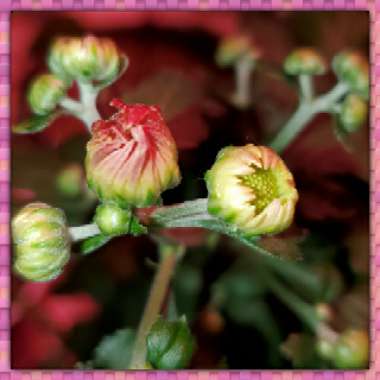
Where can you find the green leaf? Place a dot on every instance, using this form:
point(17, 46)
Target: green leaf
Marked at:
point(93, 243)
point(35, 123)
point(136, 228)
point(115, 351)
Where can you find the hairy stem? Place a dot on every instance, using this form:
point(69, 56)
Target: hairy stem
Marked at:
point(304, 114)
point(83, 232)
point(154, 304)
point(88, 96)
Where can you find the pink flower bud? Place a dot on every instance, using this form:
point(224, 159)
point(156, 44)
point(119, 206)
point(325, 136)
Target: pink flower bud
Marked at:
point(132, 157)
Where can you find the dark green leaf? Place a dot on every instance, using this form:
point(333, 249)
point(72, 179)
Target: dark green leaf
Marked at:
point(93, 243)
point(114, 351)
point(35, 123)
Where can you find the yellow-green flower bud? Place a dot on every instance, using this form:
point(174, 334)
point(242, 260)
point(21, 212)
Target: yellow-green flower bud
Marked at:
point(85, 58)
point(305, 61)
point(45, 93)
point(41, 242)
point(251, 188)
point(353, 113)
point(170, 345)
point(352, 68)
point(112, 220)
point(132, 157)
point(352, 350)
point(232, 49)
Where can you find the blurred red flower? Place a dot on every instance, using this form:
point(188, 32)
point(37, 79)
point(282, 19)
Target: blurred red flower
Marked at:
point(41, 319)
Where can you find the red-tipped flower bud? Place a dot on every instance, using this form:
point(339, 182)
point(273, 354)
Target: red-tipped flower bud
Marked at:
point(132, 157)
point(305, 61)
point(352, 68)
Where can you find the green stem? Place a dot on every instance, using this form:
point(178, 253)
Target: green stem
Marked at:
point(304, 114)
point(88, 96)
point(303, 310)
point(153, 306)
point(83, 232)
point(306, 87)
point(243, 70)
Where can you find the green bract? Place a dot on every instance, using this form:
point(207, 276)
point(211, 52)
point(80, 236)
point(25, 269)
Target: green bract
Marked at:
point(251, 188)
point(170, 345)
point(305, 61)
point(85, 59)
point(45, 93)
point(353, 113)
point(352, 69)
point(41, 242)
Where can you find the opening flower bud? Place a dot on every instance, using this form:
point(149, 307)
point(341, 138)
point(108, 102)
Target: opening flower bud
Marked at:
point(41, 242)
point(232, 49)
point(305, 61)
point(352, 68)
point(112, 220)
point(352, 350)
point(132, 157)
point(85, 58)
point(170, 344)
point(45, 93)
point(251, 188)
point(353, 113)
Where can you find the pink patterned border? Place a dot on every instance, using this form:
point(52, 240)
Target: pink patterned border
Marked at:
point(8, 5)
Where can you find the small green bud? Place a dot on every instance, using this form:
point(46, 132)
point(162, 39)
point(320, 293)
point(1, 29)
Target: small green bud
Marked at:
point(71, 181)
point(85, 58)
point(352, 350)
point(170, 345)
point(232, 49)
point(251, 188)
point(112, 219)
point(41, 242)
point(45, 93)
point(305, 61)
point(353, 113)
point(352, 68)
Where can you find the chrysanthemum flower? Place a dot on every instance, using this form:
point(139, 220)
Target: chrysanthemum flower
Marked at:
point(132, 157)
point(251, 188)
point(42, 242)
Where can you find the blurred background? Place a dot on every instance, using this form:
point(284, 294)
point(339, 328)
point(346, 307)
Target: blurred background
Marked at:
point(237, 319)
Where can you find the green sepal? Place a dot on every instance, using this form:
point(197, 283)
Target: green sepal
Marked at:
point(35, 123)
point(93, 243)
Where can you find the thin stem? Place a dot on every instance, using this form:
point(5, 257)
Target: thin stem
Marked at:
point(83, 232)
point(303, 310)
point(71, 105)
point(243, 70)
point(306, 87)
point(153, 306)
point(304, 114)
point(88, 96)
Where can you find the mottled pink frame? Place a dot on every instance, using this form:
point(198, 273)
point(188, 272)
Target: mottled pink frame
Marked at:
point(6, 6)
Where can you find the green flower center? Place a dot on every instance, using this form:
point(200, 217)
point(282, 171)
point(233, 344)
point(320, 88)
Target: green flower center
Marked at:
point(263, 183)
